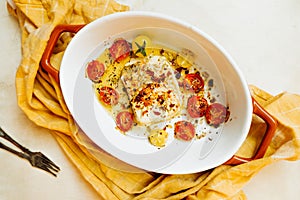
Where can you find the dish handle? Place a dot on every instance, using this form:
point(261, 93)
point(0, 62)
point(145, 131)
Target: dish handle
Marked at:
point(58, 30)
point(270, 131)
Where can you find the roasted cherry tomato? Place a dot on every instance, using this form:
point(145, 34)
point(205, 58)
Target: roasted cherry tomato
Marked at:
point(95, 70)
point(184, 130)
point(120, 49)
point(108, 95)
point(124, 121)
point(197, 106)
point(194, 82)
point(216, 114)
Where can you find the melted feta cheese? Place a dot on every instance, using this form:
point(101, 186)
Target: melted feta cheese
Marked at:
point(152, 89)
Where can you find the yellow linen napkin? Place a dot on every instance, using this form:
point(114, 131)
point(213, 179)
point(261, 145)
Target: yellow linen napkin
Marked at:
point(40, 97)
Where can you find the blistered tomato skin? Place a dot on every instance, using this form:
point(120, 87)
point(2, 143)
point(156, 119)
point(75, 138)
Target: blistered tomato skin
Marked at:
point(194, 82)
point(108, 95)
point(95, 70)
point(216, 114)
point(124, 121)
point(184, 130)
point(120, 49)
point(197, 106)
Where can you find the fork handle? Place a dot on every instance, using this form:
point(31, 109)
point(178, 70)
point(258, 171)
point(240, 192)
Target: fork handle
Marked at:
point(20, 154)
point(4, 135)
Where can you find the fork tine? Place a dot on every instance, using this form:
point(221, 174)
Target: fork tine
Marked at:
point(53, 168)
point(46, 168)
point(47, 161)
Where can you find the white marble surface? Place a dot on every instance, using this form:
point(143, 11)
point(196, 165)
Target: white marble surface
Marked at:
point(263, 36)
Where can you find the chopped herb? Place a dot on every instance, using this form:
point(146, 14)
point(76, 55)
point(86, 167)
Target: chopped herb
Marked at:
point(141, 49)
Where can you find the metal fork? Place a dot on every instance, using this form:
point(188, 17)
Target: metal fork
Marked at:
point(36, 159)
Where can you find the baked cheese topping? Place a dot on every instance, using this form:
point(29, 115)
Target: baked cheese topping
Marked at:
point(154, 103)
point(152, 89)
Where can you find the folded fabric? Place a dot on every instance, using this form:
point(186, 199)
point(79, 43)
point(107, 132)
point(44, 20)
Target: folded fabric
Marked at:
point(40, 97)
